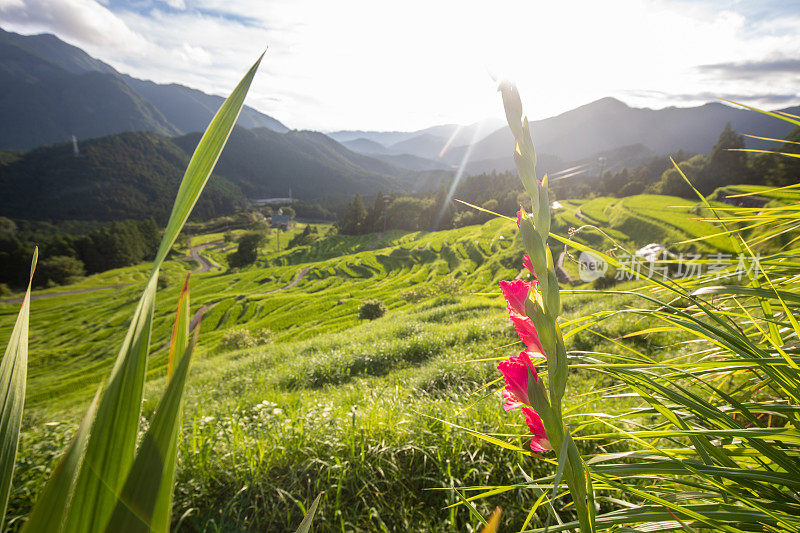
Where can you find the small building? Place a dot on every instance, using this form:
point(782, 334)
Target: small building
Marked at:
point(281, 221)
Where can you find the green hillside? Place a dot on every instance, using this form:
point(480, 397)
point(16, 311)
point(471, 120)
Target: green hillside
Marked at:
point(128, 175)
point(267, 164)
point(332, 402)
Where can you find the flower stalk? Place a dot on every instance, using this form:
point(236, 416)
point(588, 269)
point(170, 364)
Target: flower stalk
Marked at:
point(534, 309)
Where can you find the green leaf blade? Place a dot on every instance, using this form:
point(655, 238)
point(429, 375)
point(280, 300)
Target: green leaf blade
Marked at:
point(111, 448)
point(13, 374)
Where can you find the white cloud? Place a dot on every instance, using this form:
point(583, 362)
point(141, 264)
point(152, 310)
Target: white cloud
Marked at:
point(368, 64)
point(83, 21)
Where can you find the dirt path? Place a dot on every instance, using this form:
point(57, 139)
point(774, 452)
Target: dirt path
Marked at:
point(375, 241)
point(205, 264)
point(289, 285)
point(196, 317)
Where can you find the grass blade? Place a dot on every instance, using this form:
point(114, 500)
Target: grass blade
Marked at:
point(180, 331)
point(13, 373)
point(305, 525)
point(203, 160)
point(111, 448)
point(146, 498)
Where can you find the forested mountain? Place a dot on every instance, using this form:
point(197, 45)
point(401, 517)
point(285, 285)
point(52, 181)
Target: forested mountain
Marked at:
point(265, 163)
point(126, 175)
point(136, 174)
point(53, 90)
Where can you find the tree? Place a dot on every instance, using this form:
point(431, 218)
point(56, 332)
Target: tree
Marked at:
point(726, 165)
point(375, 218)
point(409, 213)
point(308, 236)
point(288, 211)
point(786, 169)
point(247, 251)
point(441, 212)
point(673, 184)
point(7, 226)
point(371, 309)
point(59, 270)
point(354, 217)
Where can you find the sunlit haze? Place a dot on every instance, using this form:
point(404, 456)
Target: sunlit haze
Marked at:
point(407, 65)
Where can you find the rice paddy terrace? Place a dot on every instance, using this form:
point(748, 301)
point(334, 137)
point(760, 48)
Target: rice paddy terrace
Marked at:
point(333, 403)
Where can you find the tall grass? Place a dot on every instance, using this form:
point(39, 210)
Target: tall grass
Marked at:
point(104, 482)
point(712, 440)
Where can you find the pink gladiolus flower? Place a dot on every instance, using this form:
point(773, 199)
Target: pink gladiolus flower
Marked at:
point(511, 401)
point(527, 263)
point(515, 371)
point(540, 442)
point(515, 293)
point(527, 334)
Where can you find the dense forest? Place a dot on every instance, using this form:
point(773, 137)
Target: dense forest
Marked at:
point(67, 252)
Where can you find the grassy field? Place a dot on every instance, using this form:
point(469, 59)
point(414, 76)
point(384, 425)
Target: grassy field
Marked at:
point(334, 404)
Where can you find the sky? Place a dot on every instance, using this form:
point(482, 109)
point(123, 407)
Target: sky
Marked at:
point(405, 65)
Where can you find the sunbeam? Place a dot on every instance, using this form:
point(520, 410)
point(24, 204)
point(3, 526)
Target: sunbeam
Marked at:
point(460, 173)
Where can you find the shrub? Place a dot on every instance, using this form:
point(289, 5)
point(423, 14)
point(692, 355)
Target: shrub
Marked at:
point(448, 286)
point(240, 338)
point(416, 294)
point(371, 309)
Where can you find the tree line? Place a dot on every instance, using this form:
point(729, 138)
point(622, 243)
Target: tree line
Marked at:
point(65, 256)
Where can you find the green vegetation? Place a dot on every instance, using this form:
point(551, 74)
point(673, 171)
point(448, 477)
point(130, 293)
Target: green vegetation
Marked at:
point(247, 250)
point(127, 175)
point(318, 372)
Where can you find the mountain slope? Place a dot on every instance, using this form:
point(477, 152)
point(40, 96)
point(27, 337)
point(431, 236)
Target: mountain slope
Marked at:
point(191, 110)
point(44, 102)
point(136, 175)
point(53, 90)
point(608, 124)
point(128, 175)
point(364, 146)
point(265, 163)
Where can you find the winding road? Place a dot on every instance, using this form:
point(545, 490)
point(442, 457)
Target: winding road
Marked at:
point(289, 285)
point(205, 264)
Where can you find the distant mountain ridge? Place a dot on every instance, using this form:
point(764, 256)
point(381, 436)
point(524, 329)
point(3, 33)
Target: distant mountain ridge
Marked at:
point(53, 90)
point(584, 132)
point(136, 175)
